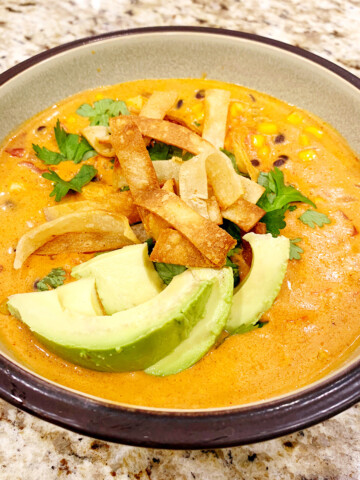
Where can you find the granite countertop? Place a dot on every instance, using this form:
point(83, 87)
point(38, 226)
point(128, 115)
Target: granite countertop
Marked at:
point(31, 449)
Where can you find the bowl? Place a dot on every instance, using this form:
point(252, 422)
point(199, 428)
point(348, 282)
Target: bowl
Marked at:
point(286, 72)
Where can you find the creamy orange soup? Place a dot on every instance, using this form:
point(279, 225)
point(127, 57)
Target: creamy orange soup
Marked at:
point(314, 322)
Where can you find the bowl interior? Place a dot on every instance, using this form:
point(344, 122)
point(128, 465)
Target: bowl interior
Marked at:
point(264, 67)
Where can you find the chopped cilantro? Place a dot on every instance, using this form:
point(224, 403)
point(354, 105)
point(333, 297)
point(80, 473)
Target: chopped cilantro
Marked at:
point(312, 218)
point(61, 187)
point(197, 124)
point(167, 271)
point(52, 280)
point(277, 199)
point(72, 147)
point(249, 328)
point(233, 230)
point(125, 188)
point(234, 266)
point(232, 158)
point(102, 110)
point(295, 250)
point(162, 151)
point(187, 156)
point(151, 244)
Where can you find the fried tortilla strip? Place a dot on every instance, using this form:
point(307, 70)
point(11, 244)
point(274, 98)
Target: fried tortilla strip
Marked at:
point(193, 184)
point(243, 161)
point(172, 247)
point(84, 242)
point(96, 222)
point(118, 177)
point(99, 138)
point(171, 133)
point(244, 214)
point(223, 179)
point(136, 165)
point(206, 236)
point(140, 232)
point(214, 212)
point(164, 169)
point(216, 112)
point(119, 203)
point(253, 190)
point(169, 185)
point(159, 104)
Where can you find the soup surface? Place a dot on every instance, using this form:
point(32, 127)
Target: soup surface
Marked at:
point(314, 322)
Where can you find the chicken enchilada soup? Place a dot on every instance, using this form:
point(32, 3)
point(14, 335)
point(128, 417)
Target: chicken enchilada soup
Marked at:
point(179, 244)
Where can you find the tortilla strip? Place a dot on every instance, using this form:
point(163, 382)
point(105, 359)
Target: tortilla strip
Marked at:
point(244, 214)
point(140, 232)
point(97, 221)
point(214, 212)
point(82, 242)
point(169, 185)
point(171, 133)
point(223, 179)
point(216, 112)
point(243, 161)
point(119, 203)
point(172, 247)
point(211, 240)
point(136, 165)
point(252, 190)
point(193, 184)
point(99, 138)
point(159, 104)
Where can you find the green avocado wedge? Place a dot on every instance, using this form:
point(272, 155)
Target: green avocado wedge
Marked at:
point(124, 278)
point(205, 333)
point(257, 292)
point(129, 340)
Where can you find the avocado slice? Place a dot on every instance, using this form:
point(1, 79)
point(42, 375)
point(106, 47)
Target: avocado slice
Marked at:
point(205, 333)
point(124, 278)
point(80, 297)
point(129, 340)
point(257, 292)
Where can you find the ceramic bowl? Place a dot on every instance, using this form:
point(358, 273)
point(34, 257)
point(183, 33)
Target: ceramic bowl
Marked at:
point(286, 72)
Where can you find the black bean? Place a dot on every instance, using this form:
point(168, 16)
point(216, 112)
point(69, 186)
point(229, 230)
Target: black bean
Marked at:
point(285, 157)
point(42, 127)
point(252, 97)
point(255, 162)
point(280, 161)
point(179, 103)
point(200, 94)
point(279, 138)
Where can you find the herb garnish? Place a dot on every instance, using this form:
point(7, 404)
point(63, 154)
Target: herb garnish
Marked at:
point(102, 110)
point(167, 271)
point(295, 250)
point(232, 158)
point(310, 218)
point(234, 266)
point(72, 147)
point(52, 280)
point(125, 188)
point(233, 230)
point(61, 187)
point(163, 151)
point(277, 199)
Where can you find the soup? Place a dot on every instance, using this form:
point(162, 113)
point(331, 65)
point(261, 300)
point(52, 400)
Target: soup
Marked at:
point(312, 325)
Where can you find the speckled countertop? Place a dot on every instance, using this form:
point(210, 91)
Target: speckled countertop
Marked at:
point(31, 449)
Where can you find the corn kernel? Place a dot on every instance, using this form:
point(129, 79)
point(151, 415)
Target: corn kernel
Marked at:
point(16, 187)
point(258, 140)
point(304, 140)
point(264, 152)
point(318, 199)
point(295, 118)
point(323, 354)
point(307, 155)
point(99, 96)
point(135, 102)
point(314, 131)
point(71, 119)
point(236, 109)
point(268, 128)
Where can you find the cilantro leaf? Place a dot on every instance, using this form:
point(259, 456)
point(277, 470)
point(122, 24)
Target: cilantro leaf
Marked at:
point(310, 218)
point(102, 110)
point(235, 269)
point(233, 230)
point(72, 147)
point(125, 188)
point(52, 280)
point(167, 271)
point(249, 328)
point(47, 156)
point(232, 158)
point(61, 187)
point(295, 250)
point(277, 195)
point(151, 244)
point(163, 151)
point(277, 199)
